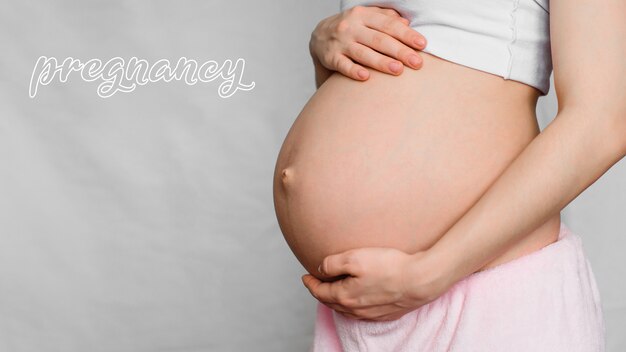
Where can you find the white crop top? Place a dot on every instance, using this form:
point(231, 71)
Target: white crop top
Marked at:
point(508, 38)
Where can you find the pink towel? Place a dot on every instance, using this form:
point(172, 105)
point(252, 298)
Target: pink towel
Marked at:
point(546, 300)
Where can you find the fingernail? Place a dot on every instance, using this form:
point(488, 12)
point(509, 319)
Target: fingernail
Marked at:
point(319, 269)
point(420, 41)
point(395, 66)
point(362, 74)
point(414, 60)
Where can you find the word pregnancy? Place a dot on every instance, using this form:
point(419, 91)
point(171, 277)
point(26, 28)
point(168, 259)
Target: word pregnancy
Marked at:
point(118, 76)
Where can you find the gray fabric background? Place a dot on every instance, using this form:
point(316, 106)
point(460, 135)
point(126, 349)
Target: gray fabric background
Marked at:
point(144, 222)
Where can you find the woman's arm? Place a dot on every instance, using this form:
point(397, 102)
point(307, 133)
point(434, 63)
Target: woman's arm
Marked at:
point(372, 36)
point(587, 137)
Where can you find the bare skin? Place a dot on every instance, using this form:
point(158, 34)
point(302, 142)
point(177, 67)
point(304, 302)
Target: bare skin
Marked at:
point(395, 161)
point(583, 141)
point(362, 38)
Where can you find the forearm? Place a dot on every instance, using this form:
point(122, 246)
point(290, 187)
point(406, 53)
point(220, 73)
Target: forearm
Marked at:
point(559, 164)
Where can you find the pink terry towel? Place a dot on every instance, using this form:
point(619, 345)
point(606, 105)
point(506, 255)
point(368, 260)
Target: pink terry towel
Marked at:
point(547, 300)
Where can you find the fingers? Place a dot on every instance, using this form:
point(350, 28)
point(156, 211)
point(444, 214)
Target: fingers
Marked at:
point(333, 295)
point(347, 67)
point(391, 26)
point(365, 37)
point(327, 292)
point(381, 51)
point(371, 58)
point(338, 264)
point(391, 13)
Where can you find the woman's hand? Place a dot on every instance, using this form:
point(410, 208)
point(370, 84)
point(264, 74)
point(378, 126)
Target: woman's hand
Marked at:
point(381, 283)
point(372, 36)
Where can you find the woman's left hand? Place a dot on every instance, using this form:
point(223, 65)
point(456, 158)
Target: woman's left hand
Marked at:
point(381, 283)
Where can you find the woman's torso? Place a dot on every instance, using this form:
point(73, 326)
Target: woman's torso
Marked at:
point(396, 160)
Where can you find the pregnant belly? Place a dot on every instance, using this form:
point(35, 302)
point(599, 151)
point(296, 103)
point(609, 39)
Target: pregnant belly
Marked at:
point(396, 161)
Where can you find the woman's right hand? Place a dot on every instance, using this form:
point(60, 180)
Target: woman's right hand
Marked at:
point(374, 37)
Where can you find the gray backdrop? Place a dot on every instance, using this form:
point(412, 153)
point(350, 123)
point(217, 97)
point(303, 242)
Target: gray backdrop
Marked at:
point(144, 221)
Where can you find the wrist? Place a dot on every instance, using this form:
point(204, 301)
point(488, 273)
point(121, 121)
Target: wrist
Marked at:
point(431, 275)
